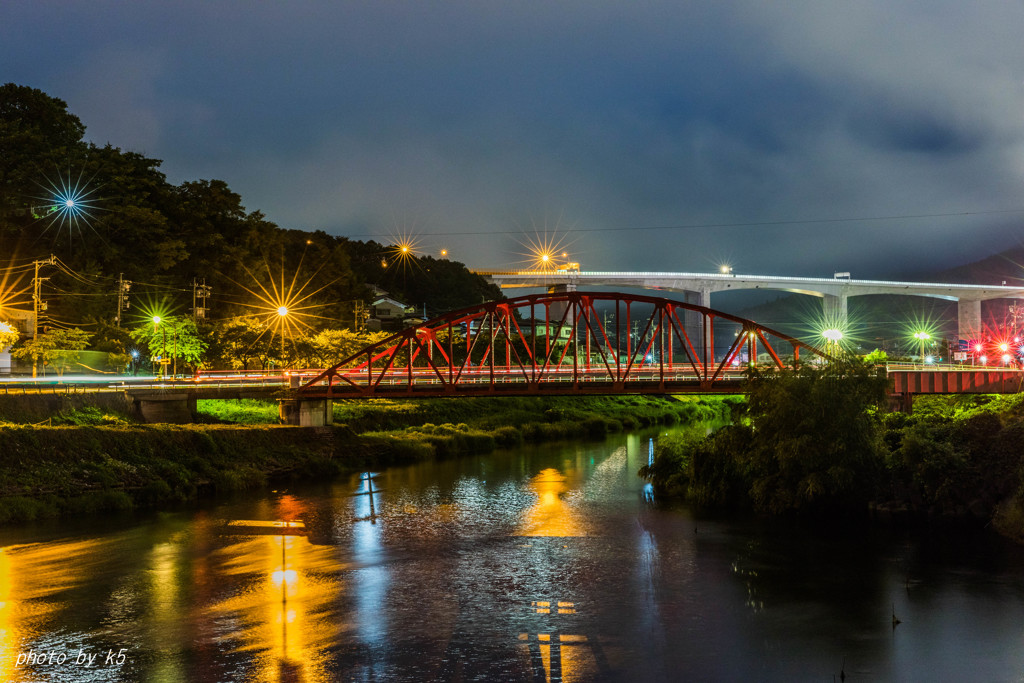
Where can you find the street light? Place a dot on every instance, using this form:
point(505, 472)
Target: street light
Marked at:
point(922, 337)
point(163, 349)
point(282, 311)
point(832, 338)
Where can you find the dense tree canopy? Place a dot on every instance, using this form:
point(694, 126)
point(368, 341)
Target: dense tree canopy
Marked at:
point(808, 438)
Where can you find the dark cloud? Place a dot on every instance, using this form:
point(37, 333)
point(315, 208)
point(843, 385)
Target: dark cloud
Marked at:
point(486, 117)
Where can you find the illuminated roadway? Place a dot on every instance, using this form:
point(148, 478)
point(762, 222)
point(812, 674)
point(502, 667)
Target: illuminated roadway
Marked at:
point(834, 291)
point(907, 379)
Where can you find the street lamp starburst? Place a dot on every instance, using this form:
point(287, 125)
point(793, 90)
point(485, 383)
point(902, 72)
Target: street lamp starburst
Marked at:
point(544, 252)
point(68, 204)
point(285, 305)
point(14, 296)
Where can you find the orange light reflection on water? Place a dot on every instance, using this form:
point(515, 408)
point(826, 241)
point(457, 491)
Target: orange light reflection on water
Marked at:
point(29, 574)
point(551, 515)
point(284, 611)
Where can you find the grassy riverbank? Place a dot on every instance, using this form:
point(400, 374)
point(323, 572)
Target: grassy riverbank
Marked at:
point(445, 427)
point(90, 459)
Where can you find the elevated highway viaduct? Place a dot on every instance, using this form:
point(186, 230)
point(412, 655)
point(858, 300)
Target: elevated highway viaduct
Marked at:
point(834, 292)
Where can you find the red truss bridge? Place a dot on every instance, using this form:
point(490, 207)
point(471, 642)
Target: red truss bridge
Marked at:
point(562, 343)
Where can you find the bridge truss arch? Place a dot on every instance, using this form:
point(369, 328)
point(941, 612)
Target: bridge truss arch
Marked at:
point(562, 343)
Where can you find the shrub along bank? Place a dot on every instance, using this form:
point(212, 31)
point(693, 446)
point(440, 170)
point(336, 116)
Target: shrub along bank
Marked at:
point(819, 441)
point(90, 460)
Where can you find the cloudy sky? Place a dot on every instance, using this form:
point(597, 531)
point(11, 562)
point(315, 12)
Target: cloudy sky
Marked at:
point(880, 137)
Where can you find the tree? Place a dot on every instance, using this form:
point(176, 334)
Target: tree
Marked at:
point(36, 132)
point(57, 348)
point(67, 347)
point(8, 335)
point(328, 347)
point(171, 339)
point(242, 340)
point(876, 357)
point(816, 440)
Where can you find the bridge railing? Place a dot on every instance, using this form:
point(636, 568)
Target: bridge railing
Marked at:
point(585, 340)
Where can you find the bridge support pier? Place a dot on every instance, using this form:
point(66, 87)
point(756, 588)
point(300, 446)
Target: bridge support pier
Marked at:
point(306, 412)
point(968, 315)
point(694, 322)
point(558, 309)
point(834, 306)
point(170, 408)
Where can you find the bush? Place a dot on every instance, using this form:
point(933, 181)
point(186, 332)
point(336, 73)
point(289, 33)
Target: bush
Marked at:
point(508, 437)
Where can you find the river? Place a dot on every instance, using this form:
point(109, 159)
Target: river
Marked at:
point(550, 563)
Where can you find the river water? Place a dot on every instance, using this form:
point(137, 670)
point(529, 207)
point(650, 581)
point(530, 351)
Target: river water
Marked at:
point(549, 563)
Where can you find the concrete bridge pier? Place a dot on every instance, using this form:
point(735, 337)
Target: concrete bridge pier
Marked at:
point(834, 307)
point(968, 313)
point(173, 408)
point(558, 309)
point(694, 323)
point(306, 412)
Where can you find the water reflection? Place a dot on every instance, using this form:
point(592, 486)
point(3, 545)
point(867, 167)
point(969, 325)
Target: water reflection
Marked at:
point(370, 581)
point(552, 514)
point(278, 612)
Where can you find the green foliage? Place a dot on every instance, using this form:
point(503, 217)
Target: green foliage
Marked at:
point(239, 411)
point(328, 347)
point(815, 436)
point(88, 415)
point(809, 438)
point(8, 335)
point(58, 349)
point(175, 338)
point(876, 357)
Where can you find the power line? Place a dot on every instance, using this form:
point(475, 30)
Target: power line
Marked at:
point(694, 226)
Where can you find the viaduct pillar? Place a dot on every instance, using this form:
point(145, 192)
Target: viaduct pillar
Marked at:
point(968, 313)
point(558, 309)
point(834, 306)
point(694, 323)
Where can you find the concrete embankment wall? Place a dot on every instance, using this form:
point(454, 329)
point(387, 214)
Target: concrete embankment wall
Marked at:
point(35, 408)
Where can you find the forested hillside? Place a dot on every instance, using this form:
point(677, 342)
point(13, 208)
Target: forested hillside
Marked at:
point(127, 245)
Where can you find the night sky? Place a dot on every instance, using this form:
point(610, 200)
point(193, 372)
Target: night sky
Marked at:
point(751, 133)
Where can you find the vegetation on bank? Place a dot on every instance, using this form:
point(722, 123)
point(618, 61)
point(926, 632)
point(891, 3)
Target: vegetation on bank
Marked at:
point(89, 458)
point(50, 471)
point(820, 440)
point(443, 427)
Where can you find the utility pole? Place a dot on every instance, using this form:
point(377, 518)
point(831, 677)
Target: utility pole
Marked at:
point(122, 297)
point(38, 305)
point(200, 293)
point(359, 315)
